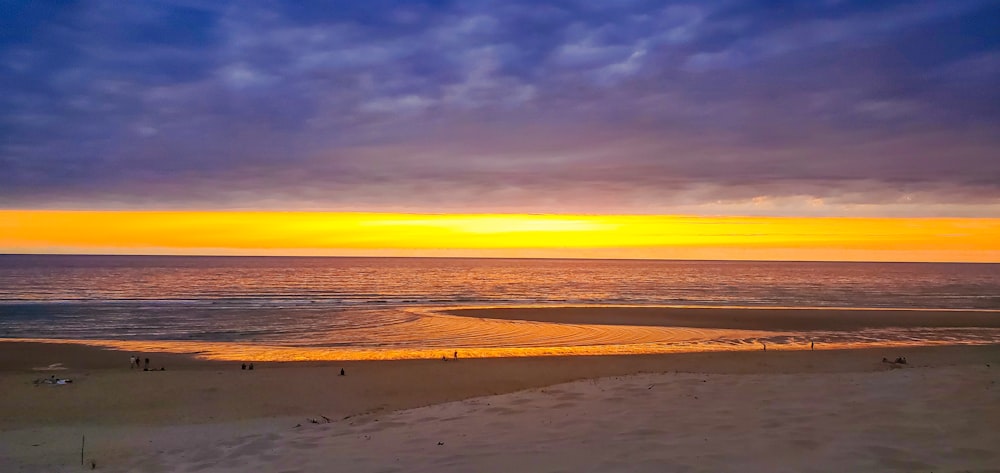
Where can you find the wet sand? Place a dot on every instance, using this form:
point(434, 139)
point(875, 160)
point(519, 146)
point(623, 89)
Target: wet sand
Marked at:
point(764, 319)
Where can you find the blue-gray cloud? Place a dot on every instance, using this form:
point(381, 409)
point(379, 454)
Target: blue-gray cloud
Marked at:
point(635, 106)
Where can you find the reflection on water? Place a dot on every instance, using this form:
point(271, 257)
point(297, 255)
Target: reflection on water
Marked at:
point(432, 336)
point(247, 282)
point(372, 308)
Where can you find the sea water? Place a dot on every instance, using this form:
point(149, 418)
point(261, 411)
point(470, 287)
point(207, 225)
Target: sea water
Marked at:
point(387, 303)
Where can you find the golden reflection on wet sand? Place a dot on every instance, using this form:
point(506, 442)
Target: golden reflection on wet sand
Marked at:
point(227, 351)
point(434, 335)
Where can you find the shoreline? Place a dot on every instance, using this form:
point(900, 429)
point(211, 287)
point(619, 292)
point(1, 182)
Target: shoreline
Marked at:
point(537, 331)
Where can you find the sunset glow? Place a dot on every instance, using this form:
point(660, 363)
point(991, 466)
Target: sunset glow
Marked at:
point(597, 236)
point(704, 130)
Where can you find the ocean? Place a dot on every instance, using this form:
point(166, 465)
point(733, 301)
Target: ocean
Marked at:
point(388, 303)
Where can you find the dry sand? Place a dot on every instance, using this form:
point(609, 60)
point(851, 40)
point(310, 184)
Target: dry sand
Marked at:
point(906, 420)
point(829, 410)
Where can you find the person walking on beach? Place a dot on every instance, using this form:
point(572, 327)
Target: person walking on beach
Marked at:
point(764, 345)
point(812, 345)
point(131, 362)
point(456, 355)
point(146, 367)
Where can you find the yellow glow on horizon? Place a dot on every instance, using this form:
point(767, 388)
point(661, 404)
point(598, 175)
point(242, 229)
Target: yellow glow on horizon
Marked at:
point(507, 235)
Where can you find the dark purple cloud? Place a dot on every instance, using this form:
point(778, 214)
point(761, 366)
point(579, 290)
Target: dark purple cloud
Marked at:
point(837, 107)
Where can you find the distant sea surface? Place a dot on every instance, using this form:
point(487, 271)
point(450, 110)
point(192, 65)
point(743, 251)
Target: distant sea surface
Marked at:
point(379, 302)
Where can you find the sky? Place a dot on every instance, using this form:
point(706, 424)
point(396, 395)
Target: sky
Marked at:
point(770, 109)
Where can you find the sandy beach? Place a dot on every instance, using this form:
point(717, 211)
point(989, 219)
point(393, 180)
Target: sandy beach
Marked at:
point(787, 408)
point(824, 410)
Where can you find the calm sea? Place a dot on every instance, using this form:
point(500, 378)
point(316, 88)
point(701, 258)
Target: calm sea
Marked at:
point(378, 302)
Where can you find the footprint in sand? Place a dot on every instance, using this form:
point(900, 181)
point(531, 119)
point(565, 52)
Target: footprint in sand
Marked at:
point(499, 410)
point(427, 419)
point(562, 404)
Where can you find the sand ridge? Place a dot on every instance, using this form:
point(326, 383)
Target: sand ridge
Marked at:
point(743, 318)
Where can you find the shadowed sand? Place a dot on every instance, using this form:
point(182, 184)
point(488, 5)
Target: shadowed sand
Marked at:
point(800, 410)
point(767, 319)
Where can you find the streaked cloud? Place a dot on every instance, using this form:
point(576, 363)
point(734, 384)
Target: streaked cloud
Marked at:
point(719, 107)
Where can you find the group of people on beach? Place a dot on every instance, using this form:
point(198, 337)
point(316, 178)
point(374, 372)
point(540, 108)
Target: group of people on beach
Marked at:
point(137, 362)
point(133, 362)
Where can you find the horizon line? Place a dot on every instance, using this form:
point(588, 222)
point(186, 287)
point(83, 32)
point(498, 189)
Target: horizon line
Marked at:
point(539, 258)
